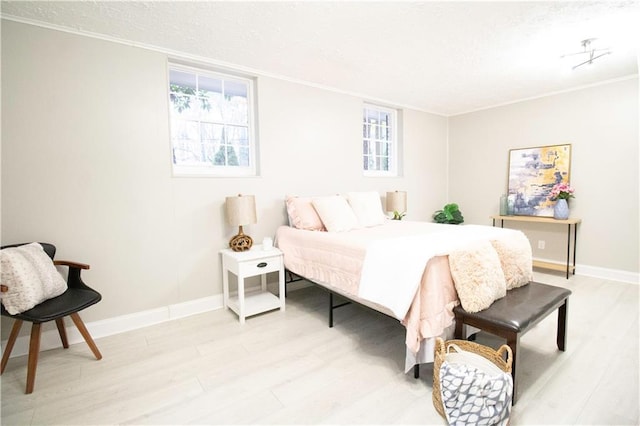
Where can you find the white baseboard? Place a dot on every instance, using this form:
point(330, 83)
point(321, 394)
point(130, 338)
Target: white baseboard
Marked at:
point(108, 327)
point(609, 274)
point(605, 273)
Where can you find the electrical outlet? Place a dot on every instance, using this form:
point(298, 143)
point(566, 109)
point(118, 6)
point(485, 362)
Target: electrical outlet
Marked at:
point(541, 244)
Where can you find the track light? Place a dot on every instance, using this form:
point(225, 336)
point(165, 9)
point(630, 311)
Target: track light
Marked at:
point(589, 52)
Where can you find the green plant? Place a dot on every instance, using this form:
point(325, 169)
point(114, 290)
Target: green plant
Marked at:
point(231, 157)
point(450, 213)
point(181, 97)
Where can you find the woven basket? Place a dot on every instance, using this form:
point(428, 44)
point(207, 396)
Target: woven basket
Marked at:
point(497, 357)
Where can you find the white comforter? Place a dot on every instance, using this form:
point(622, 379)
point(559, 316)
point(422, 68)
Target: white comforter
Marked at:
point(393, 266)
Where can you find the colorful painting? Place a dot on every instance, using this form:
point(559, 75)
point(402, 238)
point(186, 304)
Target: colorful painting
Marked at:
point(532, 174)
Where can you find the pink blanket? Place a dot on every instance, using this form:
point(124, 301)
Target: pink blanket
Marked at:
point(432, 308)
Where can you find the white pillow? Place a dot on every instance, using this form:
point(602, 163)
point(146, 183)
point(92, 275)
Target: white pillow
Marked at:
point(477, 276)
point(31, 277)
point(367, 207)
point(336, 214)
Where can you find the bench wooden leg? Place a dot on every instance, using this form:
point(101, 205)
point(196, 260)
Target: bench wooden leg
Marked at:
point(513, 341)
point(458, 333)
point(561, 338)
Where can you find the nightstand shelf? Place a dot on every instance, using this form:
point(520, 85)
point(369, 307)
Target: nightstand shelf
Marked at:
point(247, 264)
point(255, 302)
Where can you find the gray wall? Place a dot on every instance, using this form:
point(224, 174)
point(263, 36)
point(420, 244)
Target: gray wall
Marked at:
point(601, 124)
point(86, 165)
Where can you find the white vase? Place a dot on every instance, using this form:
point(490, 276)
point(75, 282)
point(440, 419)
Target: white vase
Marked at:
point(561, 209)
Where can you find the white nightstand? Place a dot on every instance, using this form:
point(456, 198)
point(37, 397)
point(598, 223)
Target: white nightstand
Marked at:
point(250, 263)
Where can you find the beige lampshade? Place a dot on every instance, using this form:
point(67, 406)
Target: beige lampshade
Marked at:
point(397, 201)
point(241, 210)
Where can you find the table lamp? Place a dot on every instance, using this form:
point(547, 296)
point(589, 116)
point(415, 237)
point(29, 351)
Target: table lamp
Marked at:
point(241, 210)
point(397, 203)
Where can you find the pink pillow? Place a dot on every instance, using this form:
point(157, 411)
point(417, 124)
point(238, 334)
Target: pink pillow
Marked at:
point(303, 215)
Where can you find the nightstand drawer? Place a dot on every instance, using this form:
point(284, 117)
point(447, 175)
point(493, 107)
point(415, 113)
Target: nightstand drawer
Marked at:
point(260, 266)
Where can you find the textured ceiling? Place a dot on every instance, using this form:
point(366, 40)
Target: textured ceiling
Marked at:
point(442, 57)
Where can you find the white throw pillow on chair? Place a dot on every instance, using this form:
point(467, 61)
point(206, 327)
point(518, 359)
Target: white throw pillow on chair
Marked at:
point(31, 277)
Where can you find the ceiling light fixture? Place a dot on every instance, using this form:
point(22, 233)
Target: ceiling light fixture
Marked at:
point(589, 50)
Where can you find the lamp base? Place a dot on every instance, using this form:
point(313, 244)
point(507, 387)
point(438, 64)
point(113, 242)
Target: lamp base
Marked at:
point(397, 215)
point(240, 242)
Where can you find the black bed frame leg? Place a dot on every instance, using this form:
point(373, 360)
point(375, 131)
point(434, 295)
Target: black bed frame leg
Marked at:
point(330, 310)
point(332, 307)
point(416, 371)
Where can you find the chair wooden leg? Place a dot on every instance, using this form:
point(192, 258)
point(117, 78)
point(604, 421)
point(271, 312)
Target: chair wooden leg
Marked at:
point(85, 333)
point(62, 332)
point(12, 340)
point(32, 363)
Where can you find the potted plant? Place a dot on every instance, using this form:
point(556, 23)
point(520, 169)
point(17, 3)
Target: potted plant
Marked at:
point(450, 213)
point(561, 193)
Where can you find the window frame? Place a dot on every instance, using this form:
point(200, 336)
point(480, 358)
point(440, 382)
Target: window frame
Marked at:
point(181, 170)
point(394, 142)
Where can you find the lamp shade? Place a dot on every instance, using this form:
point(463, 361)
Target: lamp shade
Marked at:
point(241, 210)
point(397, 201)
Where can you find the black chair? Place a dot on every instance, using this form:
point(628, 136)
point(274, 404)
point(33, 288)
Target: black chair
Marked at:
point(77, 297)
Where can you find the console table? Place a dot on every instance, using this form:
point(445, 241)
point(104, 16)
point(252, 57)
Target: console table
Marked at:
point(571, 222)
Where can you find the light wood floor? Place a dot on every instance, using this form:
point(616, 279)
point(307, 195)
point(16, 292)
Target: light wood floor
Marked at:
point(290, 368)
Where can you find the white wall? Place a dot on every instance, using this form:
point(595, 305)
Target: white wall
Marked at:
point(601, 124)
point(86, 165)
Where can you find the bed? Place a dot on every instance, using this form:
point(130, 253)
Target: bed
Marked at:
point(403, 269)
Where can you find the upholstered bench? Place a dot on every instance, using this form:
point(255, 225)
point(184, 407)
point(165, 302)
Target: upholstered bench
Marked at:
point(515, 314)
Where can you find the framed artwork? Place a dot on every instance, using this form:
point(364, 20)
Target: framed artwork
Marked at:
point(532, 174)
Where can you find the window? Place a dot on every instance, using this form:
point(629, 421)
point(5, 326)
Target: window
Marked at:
point(379, 141)
point(211, 123)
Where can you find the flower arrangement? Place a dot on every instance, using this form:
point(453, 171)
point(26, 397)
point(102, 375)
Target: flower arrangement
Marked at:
point(561, 191)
